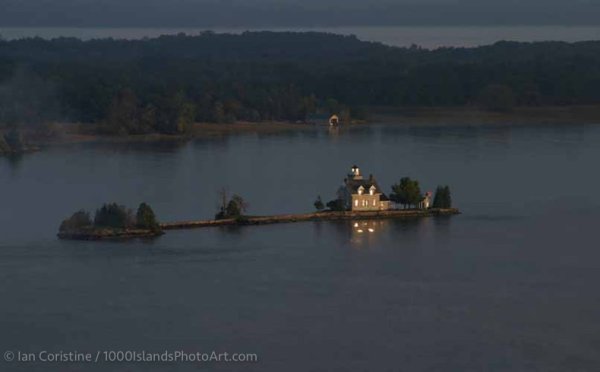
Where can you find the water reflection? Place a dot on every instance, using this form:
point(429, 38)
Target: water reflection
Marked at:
point(367, 232)
point(14, 161)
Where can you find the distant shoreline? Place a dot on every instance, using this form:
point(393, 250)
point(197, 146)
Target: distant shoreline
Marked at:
point(460, 116)
point(74, 133)
point(426, 36)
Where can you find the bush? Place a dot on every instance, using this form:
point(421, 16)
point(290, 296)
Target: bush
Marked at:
point(77, 221)
point(145, 218)
point(113, 215)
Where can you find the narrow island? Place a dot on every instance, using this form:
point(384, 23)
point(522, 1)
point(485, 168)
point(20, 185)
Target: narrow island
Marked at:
point(358, 198)
point(111, 221)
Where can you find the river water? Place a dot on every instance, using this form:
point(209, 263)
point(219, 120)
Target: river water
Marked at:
point(511, 284)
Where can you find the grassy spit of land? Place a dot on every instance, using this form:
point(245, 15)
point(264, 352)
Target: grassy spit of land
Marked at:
point(316, 216)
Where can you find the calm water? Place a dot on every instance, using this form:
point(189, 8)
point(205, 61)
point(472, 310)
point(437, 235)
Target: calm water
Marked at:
point(512, 284)
point(427, 37)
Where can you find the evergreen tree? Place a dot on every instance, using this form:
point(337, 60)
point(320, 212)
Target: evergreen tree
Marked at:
point(447, 197)
point(442, 198)
point(77, 221)
point(114, 215)
point(145, 218)
point(437, 198)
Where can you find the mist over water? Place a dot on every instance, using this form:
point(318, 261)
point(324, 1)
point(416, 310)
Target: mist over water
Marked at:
point(508, 285)
point(424, 36)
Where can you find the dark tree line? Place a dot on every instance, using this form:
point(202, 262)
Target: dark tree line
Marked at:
point(166, 83)
point(114, 216)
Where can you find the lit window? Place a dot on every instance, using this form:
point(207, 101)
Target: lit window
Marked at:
point(356, 203)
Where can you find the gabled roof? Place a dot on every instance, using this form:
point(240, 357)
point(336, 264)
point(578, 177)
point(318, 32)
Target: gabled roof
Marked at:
point(353, 184)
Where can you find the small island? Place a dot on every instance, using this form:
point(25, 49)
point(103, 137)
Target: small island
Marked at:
point(111, 221)
point(358, 199)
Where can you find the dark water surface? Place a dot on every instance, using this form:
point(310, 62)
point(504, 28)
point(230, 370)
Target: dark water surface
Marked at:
point(512, 284)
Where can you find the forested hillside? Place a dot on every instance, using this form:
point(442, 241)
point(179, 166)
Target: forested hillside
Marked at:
point(164, 84)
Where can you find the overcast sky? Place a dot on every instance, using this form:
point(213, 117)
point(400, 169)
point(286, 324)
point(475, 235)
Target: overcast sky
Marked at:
point(295, 13)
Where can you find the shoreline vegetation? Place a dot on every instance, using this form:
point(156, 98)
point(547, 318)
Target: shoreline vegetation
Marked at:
point(160, 88)
point(79, 133)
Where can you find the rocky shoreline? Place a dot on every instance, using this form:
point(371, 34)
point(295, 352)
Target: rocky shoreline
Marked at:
point(108, 234)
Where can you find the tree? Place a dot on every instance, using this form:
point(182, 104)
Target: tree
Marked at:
point(447, 197)
point(407, 192)
point(237, 206)
point(442, 198)
point(234, 208)
point(77, 221)
point(319, 204)
point(114, 215)
point(145, 218)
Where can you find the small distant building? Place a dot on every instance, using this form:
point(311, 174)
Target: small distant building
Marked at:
point(334, 120)
point(426, 202)
point(360, 194)
point(323, 119)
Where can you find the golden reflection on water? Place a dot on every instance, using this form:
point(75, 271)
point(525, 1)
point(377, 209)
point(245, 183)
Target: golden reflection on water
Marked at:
point(366, 231)
point(366, 234)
